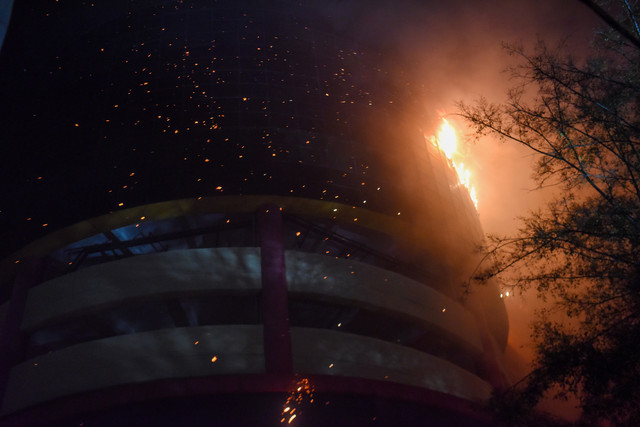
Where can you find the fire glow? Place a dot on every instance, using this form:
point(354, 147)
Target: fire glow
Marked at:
point(447, 142)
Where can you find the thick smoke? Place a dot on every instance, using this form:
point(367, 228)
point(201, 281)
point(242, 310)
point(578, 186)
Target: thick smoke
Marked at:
point(453, 51)
point(456, 53)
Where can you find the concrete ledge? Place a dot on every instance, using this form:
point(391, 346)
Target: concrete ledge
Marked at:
point(137, 358)
point(230, 270)
point(320, 351)
point(364, 285)
point(195, 271)
point(423, 243)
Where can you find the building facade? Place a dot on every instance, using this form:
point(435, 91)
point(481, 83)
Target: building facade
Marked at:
point(227, 213)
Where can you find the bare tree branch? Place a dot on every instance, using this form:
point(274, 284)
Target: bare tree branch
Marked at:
point(613, 23)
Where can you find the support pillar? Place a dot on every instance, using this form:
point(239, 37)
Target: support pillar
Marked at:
point(11, 340)
point(275, 305)
point(491, 356)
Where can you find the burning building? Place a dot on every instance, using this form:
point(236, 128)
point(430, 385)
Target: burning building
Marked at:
point(226, 212)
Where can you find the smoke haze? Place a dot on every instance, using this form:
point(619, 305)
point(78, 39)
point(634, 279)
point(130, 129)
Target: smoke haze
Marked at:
point(457, 51)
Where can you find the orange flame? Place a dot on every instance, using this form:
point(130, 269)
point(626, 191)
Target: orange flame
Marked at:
point(447, 141)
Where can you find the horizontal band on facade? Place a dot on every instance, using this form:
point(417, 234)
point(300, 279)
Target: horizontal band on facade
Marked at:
point(226, 350)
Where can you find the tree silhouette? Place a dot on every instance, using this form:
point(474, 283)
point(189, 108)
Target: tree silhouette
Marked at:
point(581, 119)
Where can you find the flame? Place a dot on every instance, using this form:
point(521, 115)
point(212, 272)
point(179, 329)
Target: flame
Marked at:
point(447, 141)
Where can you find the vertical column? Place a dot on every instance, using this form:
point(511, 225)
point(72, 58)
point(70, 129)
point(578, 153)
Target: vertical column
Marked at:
point(11, 341)
point(491, 356)
point(275, 306)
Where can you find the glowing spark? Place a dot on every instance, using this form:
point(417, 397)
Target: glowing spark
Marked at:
point(214, 358)
point(303, 394)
